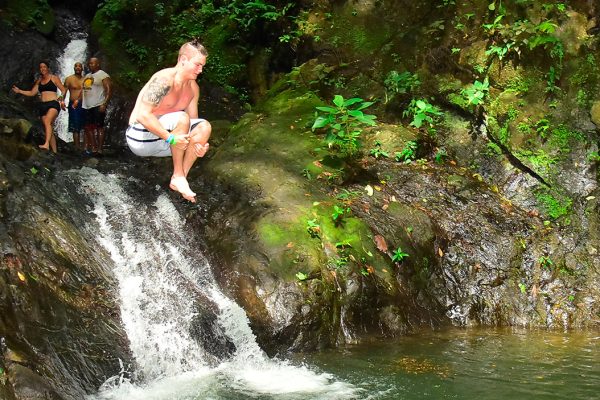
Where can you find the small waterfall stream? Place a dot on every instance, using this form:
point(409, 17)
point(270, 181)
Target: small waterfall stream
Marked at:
point(165, 286)
point(74, 52)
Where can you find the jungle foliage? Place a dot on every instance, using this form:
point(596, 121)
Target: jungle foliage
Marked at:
point(227, 29)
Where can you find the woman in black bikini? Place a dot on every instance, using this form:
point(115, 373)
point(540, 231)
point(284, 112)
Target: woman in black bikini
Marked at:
point(51, 103)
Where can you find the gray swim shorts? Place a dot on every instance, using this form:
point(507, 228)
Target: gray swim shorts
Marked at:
point(146, 144)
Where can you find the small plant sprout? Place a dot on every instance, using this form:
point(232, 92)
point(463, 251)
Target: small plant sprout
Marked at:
point(399, 255)
point(313, 229)
point(423, 112)
point(545, 262)
point(339, 213)
point(408, 153)
point(522, 287)
point(344, 123)
point(400, 83)
point(347, 195)
point(440, 155)
point(378, 152)
point(301, 276)
point(306, 173)
point(477, 92)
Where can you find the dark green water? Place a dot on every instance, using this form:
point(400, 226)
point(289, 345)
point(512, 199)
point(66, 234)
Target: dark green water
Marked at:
point(471, 364)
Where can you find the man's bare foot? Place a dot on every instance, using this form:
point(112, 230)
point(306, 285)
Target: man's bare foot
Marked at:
point(180, 184)
point(44, 146)
point(201, 149)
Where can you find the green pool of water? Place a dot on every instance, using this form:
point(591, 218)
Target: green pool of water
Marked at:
point(470, 364)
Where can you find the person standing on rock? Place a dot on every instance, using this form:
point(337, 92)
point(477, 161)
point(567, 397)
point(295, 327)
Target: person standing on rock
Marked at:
point(74, 84)
point(46, 86)
point(164, 121)
point(97, 91)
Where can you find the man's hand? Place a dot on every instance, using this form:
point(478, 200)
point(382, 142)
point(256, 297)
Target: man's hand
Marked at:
point(182, 141)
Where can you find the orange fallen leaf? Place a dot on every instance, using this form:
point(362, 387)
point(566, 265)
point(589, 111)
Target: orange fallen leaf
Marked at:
point(380, 243)
point(290, 245)
point(21, 276)
point(317, 163)
point(440, 252)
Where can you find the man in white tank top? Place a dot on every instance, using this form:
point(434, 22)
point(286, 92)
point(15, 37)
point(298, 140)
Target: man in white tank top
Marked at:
point(97, 91)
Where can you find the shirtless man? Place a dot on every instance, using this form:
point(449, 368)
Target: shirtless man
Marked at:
point(74, 84)
point(164, 121)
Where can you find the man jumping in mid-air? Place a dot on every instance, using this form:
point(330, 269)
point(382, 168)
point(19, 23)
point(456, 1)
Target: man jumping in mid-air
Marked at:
point(164, 121)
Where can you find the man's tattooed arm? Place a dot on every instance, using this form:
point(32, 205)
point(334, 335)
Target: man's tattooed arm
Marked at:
point(157, 89)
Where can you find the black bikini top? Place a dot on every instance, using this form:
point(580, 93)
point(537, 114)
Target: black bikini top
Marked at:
point(47, 87)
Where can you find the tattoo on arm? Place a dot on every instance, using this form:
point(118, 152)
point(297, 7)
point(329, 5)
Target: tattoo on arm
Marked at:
point(157, 89)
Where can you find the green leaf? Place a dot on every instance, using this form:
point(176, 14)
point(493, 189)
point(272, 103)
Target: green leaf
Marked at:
point(33, 170)
point(338, 100)
point(320, 122)
point(301, 276)
point(351, 101)
point(355, 113)
point(328, 109)
point(418, 120)
point(365, 105)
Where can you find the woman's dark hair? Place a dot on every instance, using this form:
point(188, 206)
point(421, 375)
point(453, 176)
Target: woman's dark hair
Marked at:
point(46, 63)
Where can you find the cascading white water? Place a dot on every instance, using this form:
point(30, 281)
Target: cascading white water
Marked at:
point(159, 276)
point(74, 52)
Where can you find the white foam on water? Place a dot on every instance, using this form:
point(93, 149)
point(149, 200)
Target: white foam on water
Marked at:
point(157, 287)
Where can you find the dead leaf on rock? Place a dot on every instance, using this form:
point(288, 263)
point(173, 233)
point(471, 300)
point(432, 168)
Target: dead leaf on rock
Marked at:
point(441, 252)
point(380, 243)
point(534, 291)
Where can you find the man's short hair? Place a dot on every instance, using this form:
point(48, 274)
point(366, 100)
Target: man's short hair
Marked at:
point(195, 43)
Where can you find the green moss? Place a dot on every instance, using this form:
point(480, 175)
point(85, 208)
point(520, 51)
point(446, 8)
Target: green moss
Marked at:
point(554, 203)
point(356, 33)
point(35, 13)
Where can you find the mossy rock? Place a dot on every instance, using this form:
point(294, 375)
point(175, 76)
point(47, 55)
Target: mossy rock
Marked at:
point(391, 138)
point(12, 135)
point(595, 114)
point(36, 13)
point(473, 55)
point(573, 32)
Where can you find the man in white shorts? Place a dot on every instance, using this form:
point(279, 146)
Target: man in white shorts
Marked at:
point(164, 121)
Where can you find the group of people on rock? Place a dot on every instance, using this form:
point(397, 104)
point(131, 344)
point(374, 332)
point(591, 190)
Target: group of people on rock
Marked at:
point(89, 96)
point(164, 121)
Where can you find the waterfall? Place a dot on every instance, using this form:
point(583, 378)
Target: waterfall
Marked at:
point(74, 52)
point(165, 286)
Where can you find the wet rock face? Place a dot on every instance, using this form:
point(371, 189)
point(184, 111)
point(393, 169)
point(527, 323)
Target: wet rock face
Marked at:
point(491, 262)
point(59, 323)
